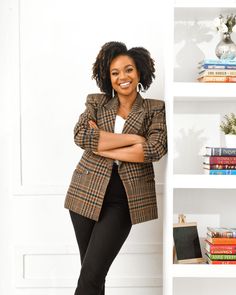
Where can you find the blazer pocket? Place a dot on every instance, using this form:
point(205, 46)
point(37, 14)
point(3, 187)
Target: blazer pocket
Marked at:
point(82, 171)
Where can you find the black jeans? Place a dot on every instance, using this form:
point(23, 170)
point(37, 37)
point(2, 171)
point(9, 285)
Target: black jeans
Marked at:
point(100, 242)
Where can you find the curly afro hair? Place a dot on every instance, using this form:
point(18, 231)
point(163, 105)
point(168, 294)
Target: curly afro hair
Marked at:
point(110, 50)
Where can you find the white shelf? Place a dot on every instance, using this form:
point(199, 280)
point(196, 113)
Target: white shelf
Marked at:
point(204, 271)
point(204, 91)
point(204, 181)
point(204, 3)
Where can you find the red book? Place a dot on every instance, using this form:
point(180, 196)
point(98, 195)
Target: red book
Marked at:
point(219, 160)
point(221, 241)
point(220, 249)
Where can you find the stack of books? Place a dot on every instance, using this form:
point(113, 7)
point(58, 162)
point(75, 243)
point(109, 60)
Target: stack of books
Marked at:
point(219, 161)
point(217, 70)
point(221, 245)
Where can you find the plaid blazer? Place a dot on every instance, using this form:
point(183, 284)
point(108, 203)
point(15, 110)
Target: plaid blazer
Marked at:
point(92, 174)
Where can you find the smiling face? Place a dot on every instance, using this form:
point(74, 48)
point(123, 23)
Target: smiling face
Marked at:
point(124, 76)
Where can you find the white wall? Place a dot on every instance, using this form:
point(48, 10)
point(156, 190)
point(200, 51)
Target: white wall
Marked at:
point(47, 52)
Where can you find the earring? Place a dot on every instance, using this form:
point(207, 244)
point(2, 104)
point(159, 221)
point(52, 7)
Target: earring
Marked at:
point(112, 93)
point(140, 87)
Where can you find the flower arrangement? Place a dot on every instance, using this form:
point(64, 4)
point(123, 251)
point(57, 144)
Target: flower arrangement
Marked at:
point(225, 24)
point(228, 125)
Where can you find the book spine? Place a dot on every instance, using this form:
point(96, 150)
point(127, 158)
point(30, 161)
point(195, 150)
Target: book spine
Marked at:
point(223, 250)
point(220, 172)
point(219, 160)
point(205, 73)
point(221, 234)
point(220, 166)
point(222, 261)
point(222, 256)
point(220, 249)
point(231, 79)
point(218, 61)
point(220, 151)
point(215, 66)
point(222, 241)
point(213, 79)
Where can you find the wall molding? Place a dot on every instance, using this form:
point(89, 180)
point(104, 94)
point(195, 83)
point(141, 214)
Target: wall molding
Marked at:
point(53, 190)
point(24, 252)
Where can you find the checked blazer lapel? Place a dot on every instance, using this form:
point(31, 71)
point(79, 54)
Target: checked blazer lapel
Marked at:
point(133, 122)
point(108, 115)
point(135, 117)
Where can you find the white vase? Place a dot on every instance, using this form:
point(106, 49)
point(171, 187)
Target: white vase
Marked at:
point(230, 140)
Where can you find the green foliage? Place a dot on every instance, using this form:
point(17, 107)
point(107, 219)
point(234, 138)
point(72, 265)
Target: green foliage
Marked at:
point(228, 125)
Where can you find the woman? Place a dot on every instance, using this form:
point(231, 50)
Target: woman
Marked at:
point(113, 185)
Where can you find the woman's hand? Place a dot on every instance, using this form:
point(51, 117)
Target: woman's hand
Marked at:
point(92, 124)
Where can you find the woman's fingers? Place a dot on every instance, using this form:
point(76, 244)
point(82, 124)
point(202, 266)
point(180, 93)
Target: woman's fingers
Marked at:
point(92, 124)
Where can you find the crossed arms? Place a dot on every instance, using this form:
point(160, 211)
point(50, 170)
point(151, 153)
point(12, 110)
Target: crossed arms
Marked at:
point(123, 147)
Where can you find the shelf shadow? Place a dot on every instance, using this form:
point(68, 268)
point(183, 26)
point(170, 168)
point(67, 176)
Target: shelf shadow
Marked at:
point(188, 146)
point(189, 55)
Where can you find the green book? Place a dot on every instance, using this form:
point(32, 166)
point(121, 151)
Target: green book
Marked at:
point(221, 256)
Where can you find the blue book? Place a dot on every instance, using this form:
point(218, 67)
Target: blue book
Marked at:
point(218, 66)
point(219, 172)
point(213, 61)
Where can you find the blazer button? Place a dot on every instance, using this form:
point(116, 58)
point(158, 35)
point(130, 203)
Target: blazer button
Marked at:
point(87, 172)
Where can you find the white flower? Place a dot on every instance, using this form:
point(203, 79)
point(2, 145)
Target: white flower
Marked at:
point(217, 21)
point(225, 24)
point(234, 29)
point(223, 28)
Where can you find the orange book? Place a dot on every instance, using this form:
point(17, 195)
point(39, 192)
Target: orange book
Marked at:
point(220, 241)
point(219, 79)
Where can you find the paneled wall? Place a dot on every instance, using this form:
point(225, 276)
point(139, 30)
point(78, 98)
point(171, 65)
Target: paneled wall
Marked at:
point(50, 47)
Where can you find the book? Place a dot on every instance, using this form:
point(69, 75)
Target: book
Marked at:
point(218, 72)
point(219, 166)
point(217, 66)
point(220, 261)
point(220, 151)
point(220, 249)
point(221, 232)
point(218, 79)
point(221, 256)
point(221, 241)
point(219, 160)
point(218, 61)
point(220, 172)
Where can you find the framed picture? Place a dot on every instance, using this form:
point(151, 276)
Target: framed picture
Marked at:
point(187, 247)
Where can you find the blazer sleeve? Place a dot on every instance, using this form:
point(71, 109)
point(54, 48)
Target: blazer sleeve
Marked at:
point(155, 146)
point(84, 136)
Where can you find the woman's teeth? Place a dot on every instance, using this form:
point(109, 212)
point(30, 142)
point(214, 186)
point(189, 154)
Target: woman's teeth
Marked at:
point(124, 85)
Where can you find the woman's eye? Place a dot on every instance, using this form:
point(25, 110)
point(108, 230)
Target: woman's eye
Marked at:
point(129, 70)
point(114, 73)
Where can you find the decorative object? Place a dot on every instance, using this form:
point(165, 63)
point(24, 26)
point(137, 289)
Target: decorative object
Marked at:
point(226, 48)
point(228, 127)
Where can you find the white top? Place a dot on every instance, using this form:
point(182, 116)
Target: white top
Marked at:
point(118, 128)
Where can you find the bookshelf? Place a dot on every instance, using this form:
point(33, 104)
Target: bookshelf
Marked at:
point(182, 181)
point(204, 271)
point(203, 91)
point(195, 112)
